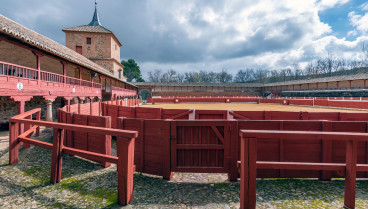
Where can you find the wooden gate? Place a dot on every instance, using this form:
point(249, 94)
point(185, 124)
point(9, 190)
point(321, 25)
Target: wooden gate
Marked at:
point(200, 146)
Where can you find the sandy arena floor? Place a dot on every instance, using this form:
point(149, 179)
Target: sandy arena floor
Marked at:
point(248, 107)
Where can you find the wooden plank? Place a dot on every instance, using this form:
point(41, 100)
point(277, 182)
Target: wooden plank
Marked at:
point(90, 155)
point(36, 142)
point(199, 146)
point(301, 166)
point(312, 135)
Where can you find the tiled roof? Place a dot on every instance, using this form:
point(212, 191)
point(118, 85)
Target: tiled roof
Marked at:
point(17, 31)
point(200, 84)
point(359, 76)
point(89, 29)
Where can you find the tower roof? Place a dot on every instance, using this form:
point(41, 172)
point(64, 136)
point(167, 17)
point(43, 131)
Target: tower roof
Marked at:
point(95, 20)
point(93, 27)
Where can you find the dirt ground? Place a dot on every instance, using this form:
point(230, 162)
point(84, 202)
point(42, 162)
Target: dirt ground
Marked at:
point(248, 107)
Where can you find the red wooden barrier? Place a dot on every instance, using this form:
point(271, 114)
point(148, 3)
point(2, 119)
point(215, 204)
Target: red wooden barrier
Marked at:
point(152, 145)
point(148, 113)
point(125, 149)
point(210, 114)
point(249, 163)
point(176, 113)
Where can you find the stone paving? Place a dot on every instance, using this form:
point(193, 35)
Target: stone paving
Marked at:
point(86, 185)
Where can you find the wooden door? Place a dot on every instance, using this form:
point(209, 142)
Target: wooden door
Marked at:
point(200, 146)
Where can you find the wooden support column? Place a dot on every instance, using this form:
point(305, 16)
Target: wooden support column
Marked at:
point(317, 86)
point(64, 70)
point(99, 100)
point(364, 83)
point(90, 106)
point(80, 76)
point(326, 85)
point(349, 84)
point(38, 64)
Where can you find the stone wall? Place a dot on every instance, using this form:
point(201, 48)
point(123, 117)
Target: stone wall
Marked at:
point(8, 108)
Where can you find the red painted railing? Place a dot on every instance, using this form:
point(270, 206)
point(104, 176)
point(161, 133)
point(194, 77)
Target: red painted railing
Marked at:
point(123, 92)
point(124, 138)
point(8, 69)
point(249, 163)
point(13, 70)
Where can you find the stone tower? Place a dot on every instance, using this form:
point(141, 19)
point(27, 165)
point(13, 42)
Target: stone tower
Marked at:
point(97, 43)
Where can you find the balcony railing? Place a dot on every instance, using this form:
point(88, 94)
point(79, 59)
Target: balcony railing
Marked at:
point(122, 90)
point(12, 70)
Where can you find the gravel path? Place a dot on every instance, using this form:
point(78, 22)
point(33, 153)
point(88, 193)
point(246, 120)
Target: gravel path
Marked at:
point(86, 185)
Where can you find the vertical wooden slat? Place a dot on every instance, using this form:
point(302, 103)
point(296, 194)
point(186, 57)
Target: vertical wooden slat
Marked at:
point(326, 154)
point(167, 174)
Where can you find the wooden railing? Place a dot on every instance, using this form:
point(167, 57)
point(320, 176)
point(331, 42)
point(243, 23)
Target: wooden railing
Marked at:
point(125, 148)
point(249, 163)
point(8, 69)
point(127, 92)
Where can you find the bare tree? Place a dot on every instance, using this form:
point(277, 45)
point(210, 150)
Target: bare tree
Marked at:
point(154, 76)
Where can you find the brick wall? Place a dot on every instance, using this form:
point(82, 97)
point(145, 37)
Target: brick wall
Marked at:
point(17, 55)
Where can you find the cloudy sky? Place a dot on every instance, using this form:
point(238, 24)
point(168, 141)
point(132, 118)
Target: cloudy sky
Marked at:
point(212, 35)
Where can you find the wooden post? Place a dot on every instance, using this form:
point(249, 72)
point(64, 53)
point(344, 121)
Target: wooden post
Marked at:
point(90, 106)
point(13, 143)
point(80, 76)
point(20, 110)
point(56, 161)
point(38, 117)
point(64, 70)
point(125, 153)
point(350, 176)
point(234, 153)
point(364, 83)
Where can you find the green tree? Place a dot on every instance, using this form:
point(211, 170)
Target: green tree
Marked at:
point(132, 71)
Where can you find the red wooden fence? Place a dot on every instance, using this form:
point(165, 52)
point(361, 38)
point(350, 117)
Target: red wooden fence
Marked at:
point(125, 148)
point(348, 168)
point(355, 103)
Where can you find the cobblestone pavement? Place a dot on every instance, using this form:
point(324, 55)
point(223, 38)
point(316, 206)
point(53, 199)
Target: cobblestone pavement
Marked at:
point(86, 185)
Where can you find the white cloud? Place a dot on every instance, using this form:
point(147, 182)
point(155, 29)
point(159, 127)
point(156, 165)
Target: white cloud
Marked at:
point(360, 22)
point(326, 4)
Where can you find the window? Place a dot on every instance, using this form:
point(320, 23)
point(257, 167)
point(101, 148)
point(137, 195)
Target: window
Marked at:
point(89, 40)
point(78, 49)
point(119, 74)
